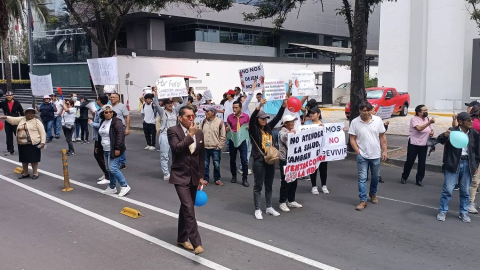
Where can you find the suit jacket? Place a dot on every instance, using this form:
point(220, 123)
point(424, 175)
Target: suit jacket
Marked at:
point(186, 167)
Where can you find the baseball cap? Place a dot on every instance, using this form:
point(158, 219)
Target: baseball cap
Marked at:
point(262, 115)
point(210, 109)
point(463, 115)
point(107, 107)
point(473, 103)
point(231, 92)
point(9, 93)
point(288, 118)
point(30, 109)
point(46, 96)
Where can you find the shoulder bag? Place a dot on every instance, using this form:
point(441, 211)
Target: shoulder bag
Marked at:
point(23, 137)
point(271, 156)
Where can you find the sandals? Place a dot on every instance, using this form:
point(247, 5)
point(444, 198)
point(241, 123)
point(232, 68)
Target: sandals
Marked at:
point(218, 183)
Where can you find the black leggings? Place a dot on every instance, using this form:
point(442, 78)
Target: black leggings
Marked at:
point(68, 136)
point(287, 190)
point(323, 174)
point(84, 127)
point(412, 152)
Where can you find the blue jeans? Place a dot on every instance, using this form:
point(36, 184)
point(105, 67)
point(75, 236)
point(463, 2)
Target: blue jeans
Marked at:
point(48, 125)
point(463, 176)
point(113, 169)
point(216, 156)
point(249, 152)
point(275, 137)
point(243, 158)
point(363, 166)
point(57, 126)
point(123, 157)
point(165, 153)
point(78, 126)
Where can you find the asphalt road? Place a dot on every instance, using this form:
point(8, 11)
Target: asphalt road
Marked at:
point(44, 228)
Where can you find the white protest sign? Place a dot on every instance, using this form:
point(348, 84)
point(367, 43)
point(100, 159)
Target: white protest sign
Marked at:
point(303, 83)
point(41, 85)
point(207, 95)
point(274, 89)
point(334, 146)
point(171, 87)
point(104, 71)
point(305, 127)
point(385, 112)
point(249, 75)
point(304, 153)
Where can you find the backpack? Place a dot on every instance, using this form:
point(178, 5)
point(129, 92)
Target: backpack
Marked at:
point(155, 113)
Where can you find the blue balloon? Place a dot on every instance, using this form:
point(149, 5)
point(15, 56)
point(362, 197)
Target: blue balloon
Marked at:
point(458, 139)
point(201, 198)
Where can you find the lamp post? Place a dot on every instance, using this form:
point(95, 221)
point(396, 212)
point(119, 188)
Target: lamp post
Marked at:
point(30, 44)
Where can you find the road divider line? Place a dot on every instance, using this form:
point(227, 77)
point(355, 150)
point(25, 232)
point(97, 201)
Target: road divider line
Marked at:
point(239, 237)
point(120, 226)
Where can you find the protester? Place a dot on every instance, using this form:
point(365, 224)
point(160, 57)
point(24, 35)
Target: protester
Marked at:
point(31, 138)
point(47, 114)
point(78, 125)
point(224, 99)
point(263, 173)
point(188, 170)
point(315, 116)
point(191, 92)
point(68, 114)
point(215, 139)
point(237, 93)
point(287, 190)
point(168, 119)
point(245, 101)
point(459, 163)
point(11, 107)
point(198, 100)
point(122, 114)
point(475, 113)
point(368, 140)
point(83, 119)
point(102, 100)
point(57, 122)
point(234, 123)
point(259, 99)
point(149, 114)
point(420, 130)
point(227, 110)
point(111, 134)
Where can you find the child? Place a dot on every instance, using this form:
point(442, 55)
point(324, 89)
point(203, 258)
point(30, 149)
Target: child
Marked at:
point(149, 114)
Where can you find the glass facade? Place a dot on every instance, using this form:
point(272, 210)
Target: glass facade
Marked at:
point(61, 48)
point(217, 34)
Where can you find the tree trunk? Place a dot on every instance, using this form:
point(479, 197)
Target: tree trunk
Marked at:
point(359, 47)
point(6, 58)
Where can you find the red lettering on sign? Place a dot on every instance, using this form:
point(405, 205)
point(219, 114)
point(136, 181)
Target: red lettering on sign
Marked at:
point(333, 140)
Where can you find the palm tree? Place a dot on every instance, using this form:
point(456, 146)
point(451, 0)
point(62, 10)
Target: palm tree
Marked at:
point(11, 11)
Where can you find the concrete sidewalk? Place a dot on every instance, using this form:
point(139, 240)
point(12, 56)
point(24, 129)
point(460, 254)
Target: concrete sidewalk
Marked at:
point(411, 111)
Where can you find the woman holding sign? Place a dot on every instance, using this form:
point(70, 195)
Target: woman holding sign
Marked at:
point(263, 172)
point(316, 119)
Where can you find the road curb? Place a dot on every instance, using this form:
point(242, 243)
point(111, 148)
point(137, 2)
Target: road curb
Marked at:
point(411, 113)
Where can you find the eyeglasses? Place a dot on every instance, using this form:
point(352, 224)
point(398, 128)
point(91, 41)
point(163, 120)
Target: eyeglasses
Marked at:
point(190, 116)
point(107, 112)
point(467, 120)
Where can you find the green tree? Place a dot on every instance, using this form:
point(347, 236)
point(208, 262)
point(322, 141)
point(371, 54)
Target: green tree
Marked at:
point(473, 9)
point(12, 11)
point(370, 82)
point(101, 20)
point(356, 14)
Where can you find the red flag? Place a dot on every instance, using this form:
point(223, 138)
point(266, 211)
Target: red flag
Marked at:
point(16, 26)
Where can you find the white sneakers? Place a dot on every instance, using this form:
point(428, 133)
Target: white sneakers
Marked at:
point(284, 208)
point(240, 172)
point(123, 191)
point(147, 148)
point(101, 178)
point(258, 214)
point(325, 190)
point(271, 211)
point(152, 148)
point(103, 182)
point(315, 191)
point(294, 205)
point(166, 177)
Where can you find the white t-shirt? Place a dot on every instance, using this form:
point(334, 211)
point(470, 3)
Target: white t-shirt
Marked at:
point(368, 136)
point(59, 105)
point(104, 132)
point(228, 106)
point(69, 118)
point(147, 110)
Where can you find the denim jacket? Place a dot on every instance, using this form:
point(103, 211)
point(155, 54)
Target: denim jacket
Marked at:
point(96, 124)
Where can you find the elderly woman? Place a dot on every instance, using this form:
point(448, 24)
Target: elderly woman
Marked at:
point(31, 138)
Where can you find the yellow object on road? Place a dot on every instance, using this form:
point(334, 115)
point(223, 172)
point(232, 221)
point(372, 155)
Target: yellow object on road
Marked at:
point(130, 212)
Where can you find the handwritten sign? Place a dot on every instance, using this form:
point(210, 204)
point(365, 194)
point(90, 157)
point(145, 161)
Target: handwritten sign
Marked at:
point(303, 83)
point(41, 85)
point(385, 112)
point(334, 146)
point(171, 87)
point(104, 71)
point(274, 89)
point(200, 116)
point(249, 75)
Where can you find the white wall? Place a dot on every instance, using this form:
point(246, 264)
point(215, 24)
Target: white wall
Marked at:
point(223, 75)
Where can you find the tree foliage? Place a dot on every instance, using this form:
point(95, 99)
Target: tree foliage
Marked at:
point(473, 9)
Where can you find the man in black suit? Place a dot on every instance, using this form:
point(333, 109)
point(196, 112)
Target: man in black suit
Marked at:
point(187, 171)
point(11, 107)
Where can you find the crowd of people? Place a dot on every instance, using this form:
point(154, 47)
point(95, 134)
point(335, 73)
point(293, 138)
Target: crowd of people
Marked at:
point(187, 149)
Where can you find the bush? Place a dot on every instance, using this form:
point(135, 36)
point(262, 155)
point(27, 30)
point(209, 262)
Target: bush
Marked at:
point(16, 81)
point(370, 82)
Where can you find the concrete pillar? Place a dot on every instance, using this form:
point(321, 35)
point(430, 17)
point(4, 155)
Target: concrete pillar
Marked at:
point(156, 35)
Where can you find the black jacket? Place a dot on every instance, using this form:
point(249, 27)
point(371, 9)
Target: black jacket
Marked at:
point(451, 155)
point(84, 109)
point(117, 136)
point(17, 109)
point(256, 134)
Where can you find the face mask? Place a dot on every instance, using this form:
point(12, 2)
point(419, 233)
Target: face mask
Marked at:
point(74, 98)
point(425, 114)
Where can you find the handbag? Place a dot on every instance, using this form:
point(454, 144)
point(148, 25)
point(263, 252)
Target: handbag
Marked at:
point(23, 136)
point(271, 156)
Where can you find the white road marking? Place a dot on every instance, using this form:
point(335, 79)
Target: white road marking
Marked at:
point(120, 226)
point(239, 237)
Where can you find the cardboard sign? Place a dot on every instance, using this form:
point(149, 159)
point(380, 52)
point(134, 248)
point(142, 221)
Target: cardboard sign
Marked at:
point(171, 87)
point(103, 71)
point(200, 116)
point(249, 75)
point(274, 89)
point(385, 112)
point(41, 85)
point(303, 83)
point(334, 146)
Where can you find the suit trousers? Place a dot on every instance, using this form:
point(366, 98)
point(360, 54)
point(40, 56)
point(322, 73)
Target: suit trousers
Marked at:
point(187, 224)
